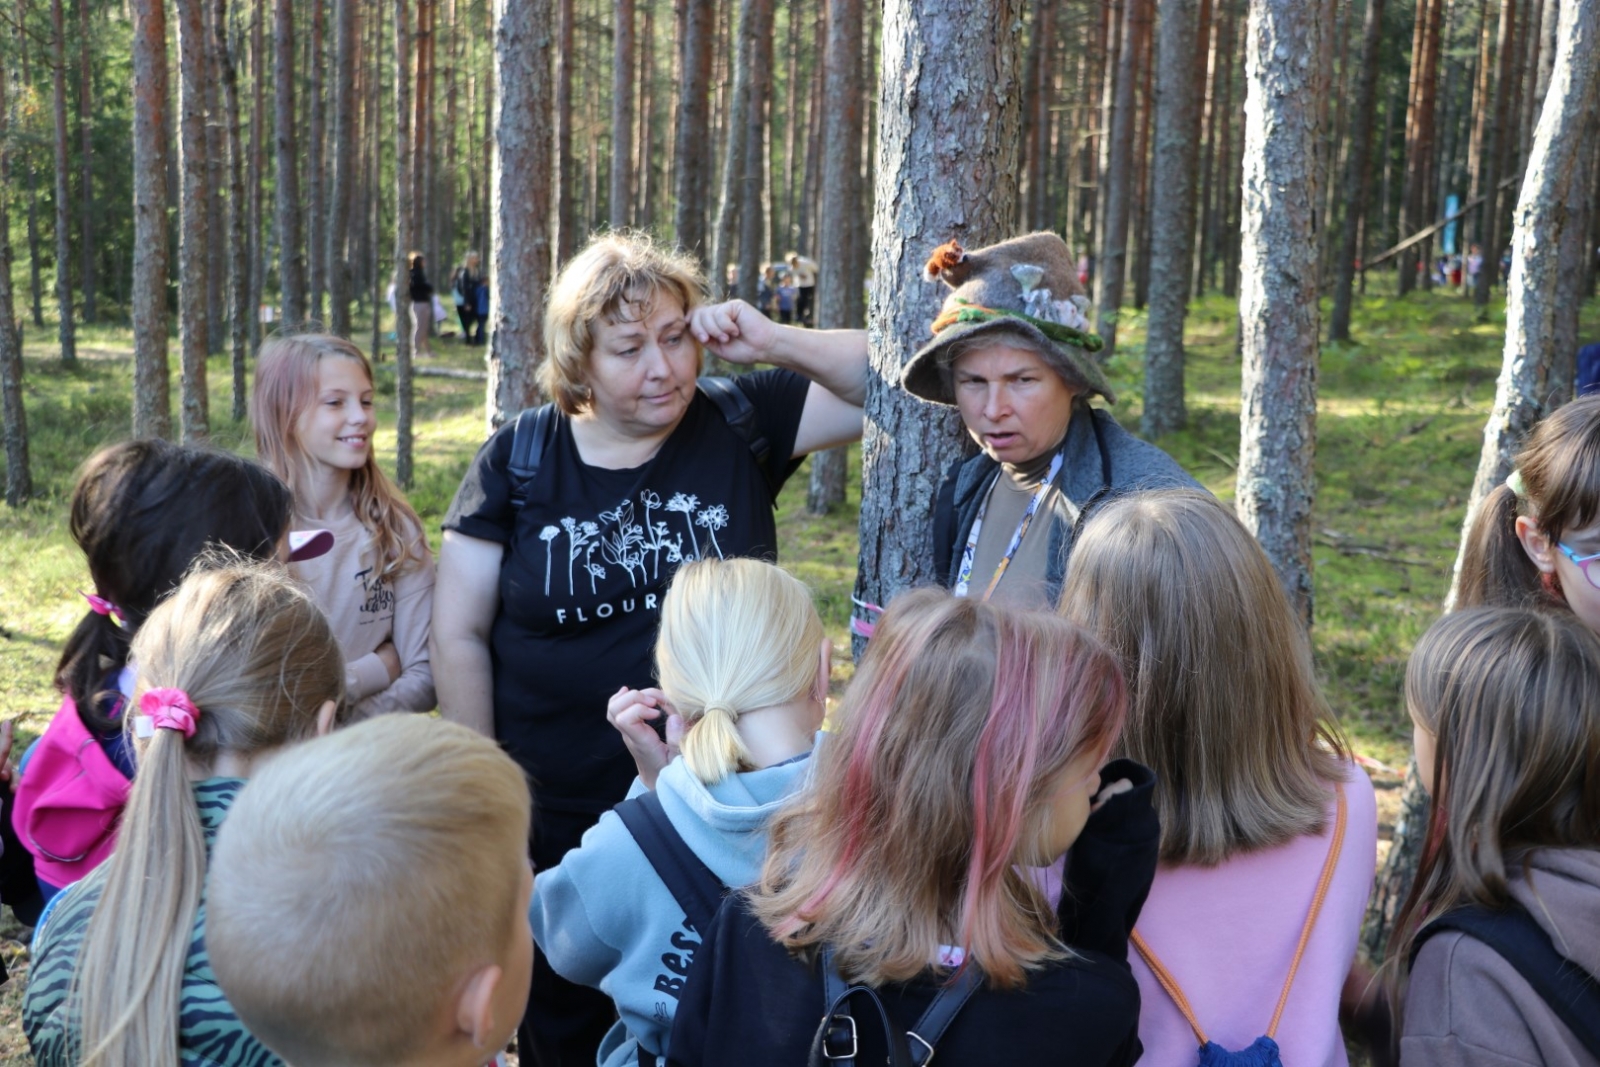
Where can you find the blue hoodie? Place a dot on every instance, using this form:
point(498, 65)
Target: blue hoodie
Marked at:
point(605, 919)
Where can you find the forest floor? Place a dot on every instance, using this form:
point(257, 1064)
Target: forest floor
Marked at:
point(1401, 417)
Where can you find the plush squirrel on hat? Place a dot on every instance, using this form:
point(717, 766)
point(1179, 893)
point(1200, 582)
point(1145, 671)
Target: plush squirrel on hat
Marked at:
point(1027, 285)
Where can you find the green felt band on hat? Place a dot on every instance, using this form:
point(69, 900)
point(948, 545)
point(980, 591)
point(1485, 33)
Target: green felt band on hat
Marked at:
point(1054, 330)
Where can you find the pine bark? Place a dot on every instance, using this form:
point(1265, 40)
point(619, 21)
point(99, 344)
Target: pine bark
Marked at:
point(86, 271)
point(344, 166)
point(566, 214)
point(1278, 289)
point(216, 134)
point(733, 161)
point(620, 196)
point(193, 217)
point(1172, 215)
point(151, 403)
point(65, 333)
point(950, 118)
point(1493, 153)
point(238, 270)
point(291, 252)
point(404, 236)
point(1357, 179)
point(752, 188)
point(839, 280)
point(693, 161)
point(1118, 180)
point(258, 168)
point(520, 256)
point(35, 284)
point(19, 475)
point(1038, 78)
point(316, 171)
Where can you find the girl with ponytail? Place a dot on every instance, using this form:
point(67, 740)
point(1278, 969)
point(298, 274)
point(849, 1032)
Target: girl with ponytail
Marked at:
point(234, 665)
point(142, 511)
point(1533, 537)
point(743, 664)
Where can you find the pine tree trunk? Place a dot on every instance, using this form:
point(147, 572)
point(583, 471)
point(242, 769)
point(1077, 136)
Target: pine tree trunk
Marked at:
point(1278, 287)
point(24, 48)
point(193, 220)
point(620, 197)
point(66, 333)
point(733, 161)
point(216, 135)
point(839, 276)
point(316, 171)
point(1172, 215)
point(950, 115)
point(152, 415)
point(1555, 161)
point(85, 165)
point(291, 253)
point(520, 256)
point(566, 240)
point(1575, 249)
point(1037, 78)
point(1118, 179)
point(258, 169)
point(1493, 134)
point(404, 237)
point(645, 167)
point(1139, 218)
point(811, 182)
point(794, 120)
point(19, 476)
point(1357, 180)
point(757, 50)
point(344, 161)
point(690, 149)
point(238, 266)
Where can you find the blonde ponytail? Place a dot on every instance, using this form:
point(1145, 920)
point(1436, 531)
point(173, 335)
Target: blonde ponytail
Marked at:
point(254, 656)
point(736, 635)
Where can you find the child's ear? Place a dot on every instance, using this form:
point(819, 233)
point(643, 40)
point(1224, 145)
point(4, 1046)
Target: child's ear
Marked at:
point(475, 1005)
point(1536, 544)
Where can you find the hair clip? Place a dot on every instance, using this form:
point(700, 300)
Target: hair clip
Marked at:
point(1514, 483)
point(101, 606)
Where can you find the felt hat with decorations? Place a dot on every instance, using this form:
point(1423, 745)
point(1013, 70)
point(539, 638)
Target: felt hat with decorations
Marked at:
point(1027, 285)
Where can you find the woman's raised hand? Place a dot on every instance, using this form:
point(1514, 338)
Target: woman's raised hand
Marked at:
point(631, 712)
point(734, 331)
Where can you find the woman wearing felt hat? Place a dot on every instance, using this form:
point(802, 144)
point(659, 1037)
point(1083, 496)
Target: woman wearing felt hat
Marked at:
point(1013, 353)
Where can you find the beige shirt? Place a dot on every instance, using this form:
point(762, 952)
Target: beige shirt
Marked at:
point(1024, 583)
point(365, 611)
point(805, 272)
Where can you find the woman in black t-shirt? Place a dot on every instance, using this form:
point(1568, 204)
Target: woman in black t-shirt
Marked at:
point(546, 608)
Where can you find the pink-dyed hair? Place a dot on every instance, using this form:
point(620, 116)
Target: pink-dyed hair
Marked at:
point(286, 385)
point(952, 738)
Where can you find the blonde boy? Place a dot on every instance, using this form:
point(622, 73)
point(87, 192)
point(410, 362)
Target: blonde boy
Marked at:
point(368, 898)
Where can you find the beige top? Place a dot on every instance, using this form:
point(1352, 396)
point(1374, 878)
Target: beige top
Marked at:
point(1024, 584)
point(365, 611)
point(805, 272)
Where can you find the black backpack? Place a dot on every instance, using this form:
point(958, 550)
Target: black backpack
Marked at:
point(1572, 993)
point(536, 428)
point(699, 893)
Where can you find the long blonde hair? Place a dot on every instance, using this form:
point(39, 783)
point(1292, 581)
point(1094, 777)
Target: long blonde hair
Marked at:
point(286, 385)
point(1224, 704)
point(736, 635)
point(255, 655)
point(359, 878)
point(953, 735)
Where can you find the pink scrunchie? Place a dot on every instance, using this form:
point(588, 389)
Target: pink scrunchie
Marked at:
point(170, 709)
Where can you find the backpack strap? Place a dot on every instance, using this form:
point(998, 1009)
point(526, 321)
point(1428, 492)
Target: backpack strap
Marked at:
point(696, 889)
point(1170, 984)
point(1572, 993)
point(836, 1038)
point(740, 415)
point(535, 430)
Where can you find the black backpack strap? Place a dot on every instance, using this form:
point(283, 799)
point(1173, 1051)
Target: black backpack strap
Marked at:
point(740, 414)
point(1572, 993)
point(836, 1039)
point(697, 890)
point(532, 435)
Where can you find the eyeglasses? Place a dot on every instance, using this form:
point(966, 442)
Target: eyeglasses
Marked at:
point(1583, 563)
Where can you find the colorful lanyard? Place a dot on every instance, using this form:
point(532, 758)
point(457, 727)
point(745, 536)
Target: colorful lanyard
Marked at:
point(964, 575)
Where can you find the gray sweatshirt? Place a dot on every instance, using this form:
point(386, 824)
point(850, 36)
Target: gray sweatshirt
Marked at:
point(1467, 1006)
point(604, 918)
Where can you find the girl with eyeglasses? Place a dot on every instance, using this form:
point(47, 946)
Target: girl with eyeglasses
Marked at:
point(1536, 538)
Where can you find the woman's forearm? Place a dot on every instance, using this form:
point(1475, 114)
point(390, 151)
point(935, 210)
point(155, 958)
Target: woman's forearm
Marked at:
point(463, 678)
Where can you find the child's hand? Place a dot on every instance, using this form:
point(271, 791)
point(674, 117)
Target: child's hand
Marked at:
point(632, 711)
point(391, 659)
point(1111, 789)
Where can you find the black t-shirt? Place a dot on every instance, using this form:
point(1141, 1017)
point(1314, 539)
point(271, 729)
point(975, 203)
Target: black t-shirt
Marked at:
point(587, 560)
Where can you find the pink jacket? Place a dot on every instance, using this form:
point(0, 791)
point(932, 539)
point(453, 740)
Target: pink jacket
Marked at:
point(1227, 934)
point(69, 801)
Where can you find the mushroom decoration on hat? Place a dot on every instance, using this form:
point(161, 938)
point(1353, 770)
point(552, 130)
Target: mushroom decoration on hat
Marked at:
point(1027, 285)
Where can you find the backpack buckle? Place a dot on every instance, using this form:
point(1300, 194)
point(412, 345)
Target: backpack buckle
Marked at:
point(920, 1056)
point(840, 1029)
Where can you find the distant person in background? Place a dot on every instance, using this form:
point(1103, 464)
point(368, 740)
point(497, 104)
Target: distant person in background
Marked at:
point(767, 291)
point(787, 296)
point(464, 288)
point(804, 272)
point(421, 293)
point(1474, 264)
point(1588, 370)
